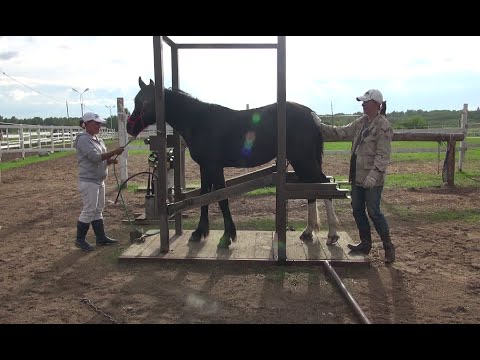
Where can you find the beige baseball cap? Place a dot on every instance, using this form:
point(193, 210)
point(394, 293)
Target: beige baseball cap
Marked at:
point(372, 94)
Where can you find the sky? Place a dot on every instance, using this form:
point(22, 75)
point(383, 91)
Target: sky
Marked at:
point(326, 73)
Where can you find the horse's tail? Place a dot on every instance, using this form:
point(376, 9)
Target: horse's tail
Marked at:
point(319, 147)
point(319, 144)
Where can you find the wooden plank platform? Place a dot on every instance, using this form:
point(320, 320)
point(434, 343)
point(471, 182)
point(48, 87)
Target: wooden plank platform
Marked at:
point(259, 246)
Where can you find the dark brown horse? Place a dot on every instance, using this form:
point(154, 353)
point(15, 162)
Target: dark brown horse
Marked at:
point(219, 137)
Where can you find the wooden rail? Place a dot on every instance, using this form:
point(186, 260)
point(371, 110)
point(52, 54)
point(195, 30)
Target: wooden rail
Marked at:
point(451, 139)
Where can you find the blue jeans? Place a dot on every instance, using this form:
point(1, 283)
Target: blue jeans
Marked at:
point(370, 199)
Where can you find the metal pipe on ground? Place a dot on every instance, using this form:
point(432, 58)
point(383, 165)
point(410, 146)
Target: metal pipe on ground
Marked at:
point(351, 301)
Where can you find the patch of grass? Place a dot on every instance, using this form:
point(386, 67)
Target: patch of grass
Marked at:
point(132, 187)
point(138, 152)
point(33, 159)
point(346, 145)
point(270, 190)
point(112, 256)
point(434, 216)
point(466, 215)
point(399, 211)
point(416, 180)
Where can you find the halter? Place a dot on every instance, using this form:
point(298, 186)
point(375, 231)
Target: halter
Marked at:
point(137, 119)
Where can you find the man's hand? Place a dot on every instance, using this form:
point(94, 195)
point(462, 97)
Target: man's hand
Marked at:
point(369, 182)
point(112, 161)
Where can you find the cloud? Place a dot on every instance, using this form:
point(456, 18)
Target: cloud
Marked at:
point(322, 72)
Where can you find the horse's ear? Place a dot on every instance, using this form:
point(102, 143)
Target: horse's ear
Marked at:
point(151, 82)
point(141, 83)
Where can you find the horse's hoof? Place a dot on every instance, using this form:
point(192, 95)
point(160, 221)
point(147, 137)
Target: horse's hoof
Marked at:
point(224, 243)
point(195, 238)
point(332, 240)
point(306, 237)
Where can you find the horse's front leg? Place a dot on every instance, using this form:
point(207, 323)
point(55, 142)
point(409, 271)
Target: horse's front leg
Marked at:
point(203, 227)
point(313, 222)
point(230, 233)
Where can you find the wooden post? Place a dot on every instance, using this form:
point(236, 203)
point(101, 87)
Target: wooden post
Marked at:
point(122, 139)
point(178, 149)
point(281, 195)
point(161, 188)
point(39, 137)
point(52, 139)
point(463, 144)
point(451, 162)
point(22, 142)
point(1, 138)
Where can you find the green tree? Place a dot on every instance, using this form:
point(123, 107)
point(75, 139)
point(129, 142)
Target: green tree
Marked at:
point(414, 122)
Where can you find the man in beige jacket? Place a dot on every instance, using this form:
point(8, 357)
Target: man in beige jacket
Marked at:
point(371, 135)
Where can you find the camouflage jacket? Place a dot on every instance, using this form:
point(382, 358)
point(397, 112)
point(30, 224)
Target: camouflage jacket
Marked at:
point(371, 142)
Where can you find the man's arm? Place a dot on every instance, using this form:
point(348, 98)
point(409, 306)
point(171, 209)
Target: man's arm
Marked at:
point(330, 132)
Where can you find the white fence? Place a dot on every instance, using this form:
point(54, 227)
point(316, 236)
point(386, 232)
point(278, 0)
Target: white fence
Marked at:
point(35, 138)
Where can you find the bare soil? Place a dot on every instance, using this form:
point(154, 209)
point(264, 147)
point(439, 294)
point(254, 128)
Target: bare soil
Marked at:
point(45, 279)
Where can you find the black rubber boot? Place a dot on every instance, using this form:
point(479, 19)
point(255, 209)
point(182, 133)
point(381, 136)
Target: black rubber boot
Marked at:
point(101, 238)
point(389, 248)
point(365, 244)
point(82, 229)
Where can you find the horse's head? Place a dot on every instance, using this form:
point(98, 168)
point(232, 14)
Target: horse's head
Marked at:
point(144, 112)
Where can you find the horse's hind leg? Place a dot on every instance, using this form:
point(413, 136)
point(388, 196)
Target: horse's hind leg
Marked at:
point(230, 233)
point(203, 227)
point(332, 222)
point(313, 222)
point(309, 170)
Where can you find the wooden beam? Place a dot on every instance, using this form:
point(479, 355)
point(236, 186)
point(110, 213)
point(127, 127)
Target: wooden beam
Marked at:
point(315, 191)
point(218, 195)
point(405, 136)
point(169, 42)
point(238, 180)
point(227, 46)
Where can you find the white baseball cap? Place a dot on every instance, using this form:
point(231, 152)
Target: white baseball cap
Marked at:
point(372, 94)
point(92, 116)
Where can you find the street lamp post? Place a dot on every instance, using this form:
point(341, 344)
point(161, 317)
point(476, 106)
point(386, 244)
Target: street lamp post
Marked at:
point(81, 97)
point(111, 120)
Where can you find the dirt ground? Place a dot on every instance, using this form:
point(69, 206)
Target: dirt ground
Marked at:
point(45, 279)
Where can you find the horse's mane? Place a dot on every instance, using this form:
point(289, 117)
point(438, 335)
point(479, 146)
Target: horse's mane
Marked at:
point(193, 100)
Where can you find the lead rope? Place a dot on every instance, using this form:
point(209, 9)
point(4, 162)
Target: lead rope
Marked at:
point(143, 235)
point(99, 311)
